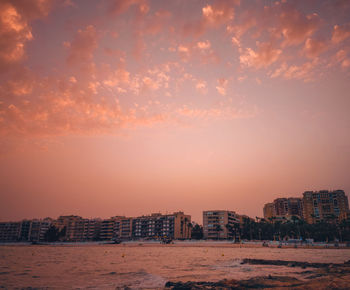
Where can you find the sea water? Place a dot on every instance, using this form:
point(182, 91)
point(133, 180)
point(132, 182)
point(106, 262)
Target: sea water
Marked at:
point(144, 265)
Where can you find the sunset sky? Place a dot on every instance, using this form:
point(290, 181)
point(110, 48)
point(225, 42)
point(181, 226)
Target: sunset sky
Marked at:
point(131, 107)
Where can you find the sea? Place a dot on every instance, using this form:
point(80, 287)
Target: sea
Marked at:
point(146, 265)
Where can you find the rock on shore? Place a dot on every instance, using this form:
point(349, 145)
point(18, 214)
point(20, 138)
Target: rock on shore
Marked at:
point(323, 276)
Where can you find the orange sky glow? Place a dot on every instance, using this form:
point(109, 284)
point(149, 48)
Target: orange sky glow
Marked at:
point(138, 106)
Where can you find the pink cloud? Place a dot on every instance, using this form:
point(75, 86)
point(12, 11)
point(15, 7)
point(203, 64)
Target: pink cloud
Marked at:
point(221, 111)
point(120, 6)
point(213, 15)
point(15, 29)
point(314, 47)
point(201, 86)
point(341, 57)
point(303, 72)
point(203, 45)
point(222, 85)
point(82, 48)
point(264, 56)
point(117, 78)
point(64, 107)
point(341, 32)
point(295, 26)
point(157, 22)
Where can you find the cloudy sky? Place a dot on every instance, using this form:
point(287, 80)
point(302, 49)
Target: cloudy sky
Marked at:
point(137, 106)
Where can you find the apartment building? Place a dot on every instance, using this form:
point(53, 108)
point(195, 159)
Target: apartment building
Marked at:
point(108, 229)
point(283, 208)
point(324, 205)
point(123, 228)
point(269, 211)
point(38, 229)
point(10, 231)
point(217, 224)
point(92, 228)
point(344, 216)
point(75, 228)
point(174, 226)
point(73, 225)
point(25, 230)
point(288, 206)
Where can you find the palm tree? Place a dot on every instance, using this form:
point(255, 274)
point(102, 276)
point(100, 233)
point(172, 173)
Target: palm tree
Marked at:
point(189, 226)
point(186, 228)
point(237, 227)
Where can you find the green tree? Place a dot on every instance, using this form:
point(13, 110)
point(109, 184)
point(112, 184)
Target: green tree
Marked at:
point(197, 232)
point(52, 234)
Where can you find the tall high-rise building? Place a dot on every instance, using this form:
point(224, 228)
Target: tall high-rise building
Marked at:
point(216, 224)
point(269, 211)
point(284, 208)
point(324, 205)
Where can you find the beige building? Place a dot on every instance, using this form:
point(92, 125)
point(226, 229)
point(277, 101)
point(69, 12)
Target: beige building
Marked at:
point(217, 224)
point(269, 211)
point(283, 208)
point(123, 228)
point(74, 227)
point(157, 225)
point(324, 205)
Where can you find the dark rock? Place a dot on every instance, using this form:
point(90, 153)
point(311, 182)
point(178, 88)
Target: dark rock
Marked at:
point(292, 263)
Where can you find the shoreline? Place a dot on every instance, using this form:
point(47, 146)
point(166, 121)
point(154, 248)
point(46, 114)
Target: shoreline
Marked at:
point(201, 243)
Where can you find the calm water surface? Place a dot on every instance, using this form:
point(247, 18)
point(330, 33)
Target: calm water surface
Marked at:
point(143, 266)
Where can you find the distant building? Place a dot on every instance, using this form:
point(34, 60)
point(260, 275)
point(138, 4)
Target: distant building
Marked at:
point(269, 211)
point(217, 224)
point(324, 205)
point(288, 206)
point(283, 208)
point(10, 231)
point(25, 231)
point(123, 228)
point(344, 216)
point(108, 229)
point(38, 229)
point(92, 228)
point(174, 226)
point(74, 228)
point(73, 225)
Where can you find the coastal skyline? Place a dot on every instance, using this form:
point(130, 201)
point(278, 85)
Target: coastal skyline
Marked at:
point(133, 107)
